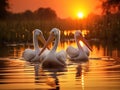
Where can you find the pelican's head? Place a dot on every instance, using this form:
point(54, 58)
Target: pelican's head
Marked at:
point(38, 33)
point(78, 36)
point(55, 32)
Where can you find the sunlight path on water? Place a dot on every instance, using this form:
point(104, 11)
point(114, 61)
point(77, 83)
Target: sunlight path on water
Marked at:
point(100, 72)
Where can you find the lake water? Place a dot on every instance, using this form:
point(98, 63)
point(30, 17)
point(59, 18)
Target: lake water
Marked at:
point(100, 72)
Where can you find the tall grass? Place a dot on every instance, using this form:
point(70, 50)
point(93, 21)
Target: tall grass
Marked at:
point(16, 31)
point(101, 27)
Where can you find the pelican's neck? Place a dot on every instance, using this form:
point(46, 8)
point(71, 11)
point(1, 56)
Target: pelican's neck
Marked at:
point(57, 39)
point(35, 42)
point(78, 44)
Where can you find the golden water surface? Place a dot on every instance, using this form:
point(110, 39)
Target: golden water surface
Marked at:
point(100, 72)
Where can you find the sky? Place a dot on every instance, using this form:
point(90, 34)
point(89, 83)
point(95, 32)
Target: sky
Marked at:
point(63, 8)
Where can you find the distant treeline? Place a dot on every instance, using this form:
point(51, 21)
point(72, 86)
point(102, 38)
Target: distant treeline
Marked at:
point(17, 28)
point(41, 14)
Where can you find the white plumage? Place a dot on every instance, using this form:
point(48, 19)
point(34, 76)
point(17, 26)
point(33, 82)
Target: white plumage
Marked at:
point(80, 53)
point(86, 50)
point(28, 54)
point(54, 59)
point(32, 55)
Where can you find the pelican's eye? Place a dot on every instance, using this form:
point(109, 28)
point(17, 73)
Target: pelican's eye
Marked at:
point(53, 33)
point(40, 33)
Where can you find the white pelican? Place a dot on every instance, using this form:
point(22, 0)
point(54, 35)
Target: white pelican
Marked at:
point(32, 55)
point(80, 53)
point(54, 59)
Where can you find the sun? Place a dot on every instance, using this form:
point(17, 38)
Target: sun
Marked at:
point(80, 15)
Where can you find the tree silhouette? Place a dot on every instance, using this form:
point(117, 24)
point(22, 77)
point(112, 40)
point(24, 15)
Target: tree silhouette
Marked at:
point(28, 14)
point(4, 6)
point(111, 6)
point(45, 14)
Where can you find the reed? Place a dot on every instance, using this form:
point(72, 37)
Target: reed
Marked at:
point(21, 30)
point(100, 27)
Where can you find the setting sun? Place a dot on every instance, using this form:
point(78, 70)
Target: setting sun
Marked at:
point(80, 15)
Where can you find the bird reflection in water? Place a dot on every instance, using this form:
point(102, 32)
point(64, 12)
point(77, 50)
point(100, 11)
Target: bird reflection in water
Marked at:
point(79, 70)
point(37, 69)
point(50, 79)
point(53, 81)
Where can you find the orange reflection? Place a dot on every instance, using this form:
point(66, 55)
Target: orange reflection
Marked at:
point(97, 70)
point(82, 80)
point(97, 51)
point(68, 32)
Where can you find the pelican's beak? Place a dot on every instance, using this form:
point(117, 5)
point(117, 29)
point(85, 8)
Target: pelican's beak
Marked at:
point(86, 43)
point(51, 37)
point(42, 39)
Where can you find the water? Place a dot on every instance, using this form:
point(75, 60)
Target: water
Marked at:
point(101, 72)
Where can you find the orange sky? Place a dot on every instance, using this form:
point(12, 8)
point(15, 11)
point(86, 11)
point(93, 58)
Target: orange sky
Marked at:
point(63, 8)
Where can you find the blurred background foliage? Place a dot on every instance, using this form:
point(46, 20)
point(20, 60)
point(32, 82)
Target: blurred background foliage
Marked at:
point(18, 27)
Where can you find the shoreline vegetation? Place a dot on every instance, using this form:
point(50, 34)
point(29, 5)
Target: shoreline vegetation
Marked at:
point(105, 28)
point(18, 27)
